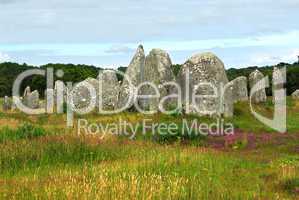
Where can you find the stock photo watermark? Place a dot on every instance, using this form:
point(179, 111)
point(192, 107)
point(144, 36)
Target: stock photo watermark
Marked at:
point(66, 95)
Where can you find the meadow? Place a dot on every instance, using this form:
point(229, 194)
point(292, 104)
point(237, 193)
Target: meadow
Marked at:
point(42, 159)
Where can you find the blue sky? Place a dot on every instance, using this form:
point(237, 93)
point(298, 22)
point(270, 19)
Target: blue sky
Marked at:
point(106, 33)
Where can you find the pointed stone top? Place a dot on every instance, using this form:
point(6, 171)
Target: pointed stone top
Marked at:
point(256, 74)
point(27, 91)
point(140, 47)
point(140, 50)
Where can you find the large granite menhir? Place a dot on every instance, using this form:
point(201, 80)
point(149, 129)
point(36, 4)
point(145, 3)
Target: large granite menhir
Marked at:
point(204, 74)
point(157, 71)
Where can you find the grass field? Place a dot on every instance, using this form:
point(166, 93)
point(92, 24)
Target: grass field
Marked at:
point(42, 159)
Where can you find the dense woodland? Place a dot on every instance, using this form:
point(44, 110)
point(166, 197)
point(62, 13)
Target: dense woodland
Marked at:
point(75, 73)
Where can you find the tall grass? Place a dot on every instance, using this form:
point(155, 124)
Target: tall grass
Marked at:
point(38, 163)
point(25, 131)
point(70, 169)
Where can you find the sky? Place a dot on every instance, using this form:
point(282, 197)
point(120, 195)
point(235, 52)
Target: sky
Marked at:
point(106, 33)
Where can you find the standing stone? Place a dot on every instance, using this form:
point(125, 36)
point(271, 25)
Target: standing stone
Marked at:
point(295, 95)
point(60, 90)
point(60, 94)
point(81, 95)
point(260, 95)
point(6, 104)
point(109, 90)
point(204, 74)
point(278, 80)
point(228, 100)
point(27, 91)
point(133, 72)
point(240, 91)
point(49, 97)
point(33, 100)
point(157, 71)
point(95, 84)
point(26, 94)
point(13, 105)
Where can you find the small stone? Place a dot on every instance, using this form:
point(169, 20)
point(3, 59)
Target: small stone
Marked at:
point(295, 95)
point(240, 90)
point(60, 95)
point(278, 80)
point(49, 97)
point(260, 95)
point(33, 100)
point(6, 104)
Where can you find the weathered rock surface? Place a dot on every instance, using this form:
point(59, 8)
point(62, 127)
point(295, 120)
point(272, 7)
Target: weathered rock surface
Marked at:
point(240, 90)
point(13, 105)
point(60, 95)
point(49, 103)
point(207, 70)
point(26, 94)
point(157, 71)
point(60, 89)
point(228, 100)
point(108, 89)
point(278, 80)
point(295, 95)
point(133, 73)
point(6, 104)
point(81, 96)
point(260, 95)
point(27, 91)
point(33, 100)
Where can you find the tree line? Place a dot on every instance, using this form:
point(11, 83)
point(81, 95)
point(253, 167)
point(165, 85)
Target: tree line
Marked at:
point(76, 73)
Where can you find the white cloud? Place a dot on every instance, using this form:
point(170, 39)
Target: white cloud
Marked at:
point(4, 57)
point(274, 58)
point(37, 31)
